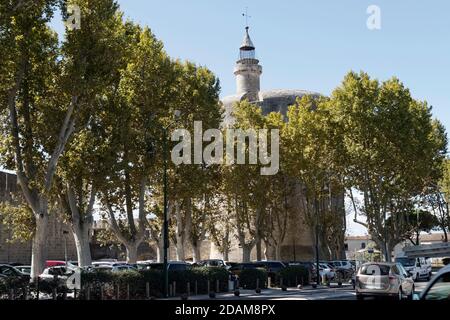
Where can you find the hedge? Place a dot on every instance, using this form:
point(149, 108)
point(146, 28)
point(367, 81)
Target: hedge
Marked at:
point(248, 277)
point(294, 275)
point(100, 284)
point(136, 282)
point(21, 287)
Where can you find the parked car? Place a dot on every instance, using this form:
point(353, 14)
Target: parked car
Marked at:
point(107, 260)
point(310, 266)
point(60, 272)
point(172, 266)
point(342, 264)
point(102, 267)
point(8, 271)
point(383, 279)
point(142, 265)
point(54, 263)
point(418, 268)
point(123, 267)
point(272, 267)
point(231, 264)
point(24, 269)
point(12, 264)
point(439, 287)
point(327, 270)
point(102, 263)
point(213, 263)
point(237, 269)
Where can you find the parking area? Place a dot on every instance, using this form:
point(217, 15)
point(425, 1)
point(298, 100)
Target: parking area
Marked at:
point(346, 292)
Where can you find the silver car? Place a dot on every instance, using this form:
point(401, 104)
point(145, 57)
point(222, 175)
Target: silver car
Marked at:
point(383, 279)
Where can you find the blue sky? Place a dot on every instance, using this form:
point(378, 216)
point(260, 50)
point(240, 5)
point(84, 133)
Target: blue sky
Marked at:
point(311, 45)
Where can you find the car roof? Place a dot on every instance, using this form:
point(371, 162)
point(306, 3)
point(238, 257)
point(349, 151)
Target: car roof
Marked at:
point(389, 264)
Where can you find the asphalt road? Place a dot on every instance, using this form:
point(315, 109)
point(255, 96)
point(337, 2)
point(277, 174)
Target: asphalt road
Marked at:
point(323, 293)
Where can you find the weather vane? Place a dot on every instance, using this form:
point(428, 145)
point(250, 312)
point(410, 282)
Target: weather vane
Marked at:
point(247, 17)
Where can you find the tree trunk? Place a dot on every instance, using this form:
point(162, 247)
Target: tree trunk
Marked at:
point(226, 255)
point(278, 251)
point(196, 252)
point(246, 252)
point(258, 249)
point(266, 251)
point(179, 233)
point(180, 250)
point(387, 252)
point(132, 251)
point(225, 247)
point(82, 244)
point(159, 251)
point(39, 245)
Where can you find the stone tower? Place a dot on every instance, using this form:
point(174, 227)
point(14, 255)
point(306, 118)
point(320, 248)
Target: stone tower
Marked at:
point(248, 70)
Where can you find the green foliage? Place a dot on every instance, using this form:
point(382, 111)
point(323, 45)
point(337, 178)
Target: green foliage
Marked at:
point(294, 274)
point(248, 278)
point(137, 280)
point(390, 150)
point(18, 219)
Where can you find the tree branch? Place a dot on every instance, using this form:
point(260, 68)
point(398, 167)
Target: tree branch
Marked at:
point(66, 131)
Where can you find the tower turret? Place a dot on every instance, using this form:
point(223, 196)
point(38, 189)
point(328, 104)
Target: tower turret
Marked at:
point(248, 70)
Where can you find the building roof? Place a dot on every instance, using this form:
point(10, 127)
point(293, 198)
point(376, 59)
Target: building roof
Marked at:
point(283, 93)
point(247, 43)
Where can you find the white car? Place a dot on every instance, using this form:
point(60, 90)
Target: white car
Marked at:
point(342, 264)
point(60, 272)
point(418, 268)
point(327, 270)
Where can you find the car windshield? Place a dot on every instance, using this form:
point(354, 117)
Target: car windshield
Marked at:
point(406, 262)
point(374, 269)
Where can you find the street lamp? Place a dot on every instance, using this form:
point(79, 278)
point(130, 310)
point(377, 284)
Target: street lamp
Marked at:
point(177, 115)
